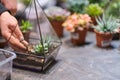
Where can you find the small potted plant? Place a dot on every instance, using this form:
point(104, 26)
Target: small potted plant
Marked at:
point(25, 28)
point(94, 10)
point(26, 2)
point(57, 16)
point(104, 30)
point(114, 9)
point(76, 6)
point(78, 25)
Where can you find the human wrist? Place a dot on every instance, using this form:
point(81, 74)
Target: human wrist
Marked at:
point(3, 9)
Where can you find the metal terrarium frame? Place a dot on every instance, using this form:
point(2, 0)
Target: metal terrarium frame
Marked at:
point(35, 60)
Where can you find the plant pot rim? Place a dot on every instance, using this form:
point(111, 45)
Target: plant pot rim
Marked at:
point(57, 20)
point(27, 31)
point(93, 16)
point(102, 33)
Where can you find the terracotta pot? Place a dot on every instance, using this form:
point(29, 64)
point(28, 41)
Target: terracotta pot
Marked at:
point(93, 18)
point(57, 25)
point(78, 37)
point(94, 23)
point(26, 35)
point(103, 39)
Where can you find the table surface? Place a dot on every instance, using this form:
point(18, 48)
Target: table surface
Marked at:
point(87, 62)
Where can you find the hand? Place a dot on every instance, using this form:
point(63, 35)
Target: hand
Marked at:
point(10, 5)
point(11, 32)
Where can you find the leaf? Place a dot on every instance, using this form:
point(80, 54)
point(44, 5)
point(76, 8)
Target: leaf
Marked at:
point(25, 26)
point(106, 24)
point(93, 10)
point(46, 45)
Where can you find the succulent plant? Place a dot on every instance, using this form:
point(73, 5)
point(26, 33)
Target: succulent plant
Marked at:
point(26, 2)
point(56, 13)
point(106, 24)
point(77, 6)
point(95, 1)
point(94, 10)
point(114, 9)
point(47, 44)
point(77, 21)
point(25, 26)
point(102, 3)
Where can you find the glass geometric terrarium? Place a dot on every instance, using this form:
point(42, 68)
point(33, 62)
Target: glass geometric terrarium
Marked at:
point(43, 41)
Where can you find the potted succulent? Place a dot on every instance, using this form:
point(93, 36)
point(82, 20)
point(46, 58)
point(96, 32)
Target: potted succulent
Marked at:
point(25, 28)
point(76, 6)
point(39, 55)
point(94, 10)
point(114, 9)
point(57, 16)
point(78, 25)
point(26, 2)
point(102, 3)
point(104, 30)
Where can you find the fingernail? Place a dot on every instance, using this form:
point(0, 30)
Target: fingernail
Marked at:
point(21, 39)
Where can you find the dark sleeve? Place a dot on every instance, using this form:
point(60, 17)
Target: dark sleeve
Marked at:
point(2, 9)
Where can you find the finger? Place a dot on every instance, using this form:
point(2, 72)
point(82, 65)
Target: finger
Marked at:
point(13, 34)
point(15, 42)
point(6, 34)
point(25, 43)
point(16, 30)
point(17, 49)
